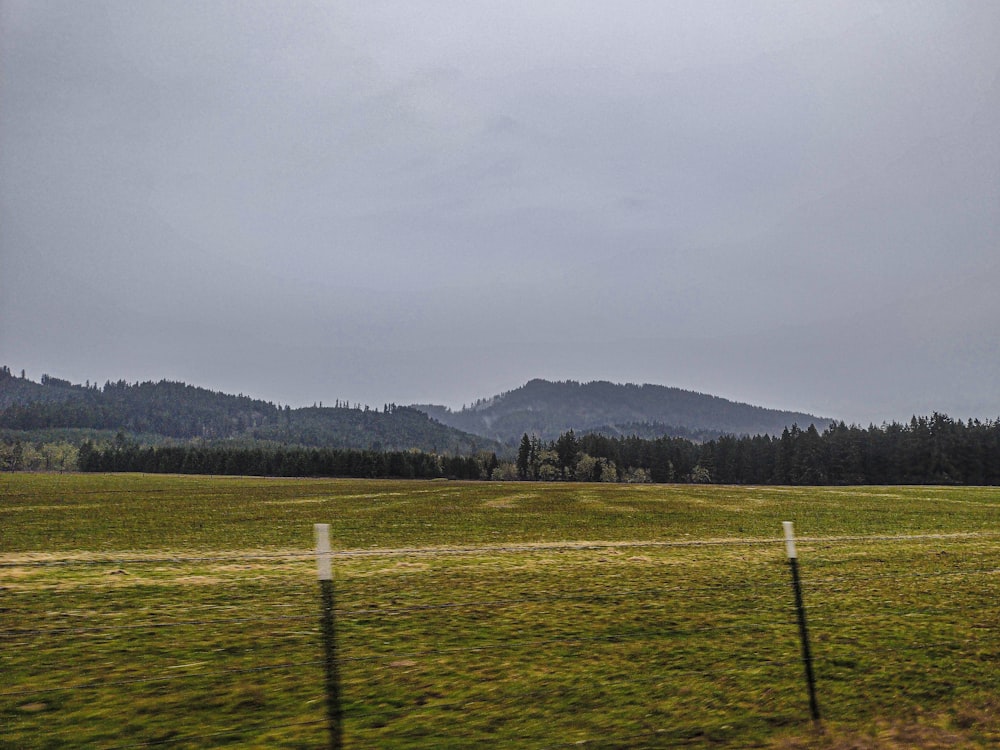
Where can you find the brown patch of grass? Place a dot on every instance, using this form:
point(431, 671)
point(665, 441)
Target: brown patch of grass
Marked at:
point(502, 504)
point(886, 735)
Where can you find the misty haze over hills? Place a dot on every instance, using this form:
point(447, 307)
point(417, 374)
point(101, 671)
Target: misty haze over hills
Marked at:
point(541, 408)
point(547, 409)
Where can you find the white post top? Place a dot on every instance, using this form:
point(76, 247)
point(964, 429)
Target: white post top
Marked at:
point(323, 569)
point(789, 540)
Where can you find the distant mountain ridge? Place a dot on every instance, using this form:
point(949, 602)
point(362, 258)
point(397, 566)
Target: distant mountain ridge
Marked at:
point(548, 409)
point(178, 411)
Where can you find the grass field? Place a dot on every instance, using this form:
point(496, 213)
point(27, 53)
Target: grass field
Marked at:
point(183, 612)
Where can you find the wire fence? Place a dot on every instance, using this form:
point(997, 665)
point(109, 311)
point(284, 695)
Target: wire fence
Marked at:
point(689, 643)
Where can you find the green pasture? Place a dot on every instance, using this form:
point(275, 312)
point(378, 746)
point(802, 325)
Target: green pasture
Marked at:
point(183, 612)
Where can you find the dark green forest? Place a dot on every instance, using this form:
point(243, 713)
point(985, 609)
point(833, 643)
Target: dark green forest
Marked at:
point(178, 411)
point(928, 450)
point(281, 461)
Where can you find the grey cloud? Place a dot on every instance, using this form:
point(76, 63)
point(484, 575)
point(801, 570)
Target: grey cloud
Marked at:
point(795, 206)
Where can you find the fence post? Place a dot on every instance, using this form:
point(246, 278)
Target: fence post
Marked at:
point(803, 631)
point(325, 575)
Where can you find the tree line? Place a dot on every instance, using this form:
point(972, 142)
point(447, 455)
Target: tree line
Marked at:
point(18, 455)
point(927, 450)
point(280, 461)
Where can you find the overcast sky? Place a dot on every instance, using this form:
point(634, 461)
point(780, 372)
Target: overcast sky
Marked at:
point(791, 204)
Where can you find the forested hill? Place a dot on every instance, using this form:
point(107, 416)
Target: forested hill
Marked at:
point(547, 409)
point(180, 411)
point(21, 391)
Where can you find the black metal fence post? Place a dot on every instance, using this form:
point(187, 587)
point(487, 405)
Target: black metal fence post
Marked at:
point(800, 607)
point(325, 574)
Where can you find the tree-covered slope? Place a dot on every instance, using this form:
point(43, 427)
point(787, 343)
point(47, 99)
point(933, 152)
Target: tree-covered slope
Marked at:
point(165, 408)
point(20, 391)
point(182, 412)
point(547, 409)
point(394, 428)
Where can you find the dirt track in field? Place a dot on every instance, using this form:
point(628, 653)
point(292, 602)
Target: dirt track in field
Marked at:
point(18, 559)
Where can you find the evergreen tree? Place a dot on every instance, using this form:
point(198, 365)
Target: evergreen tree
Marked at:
point(566, 448)
point(524, 457)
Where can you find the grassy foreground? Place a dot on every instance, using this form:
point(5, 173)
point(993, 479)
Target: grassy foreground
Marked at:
point(157, 611)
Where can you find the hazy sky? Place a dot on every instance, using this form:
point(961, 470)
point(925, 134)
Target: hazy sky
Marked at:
point(791, 204)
